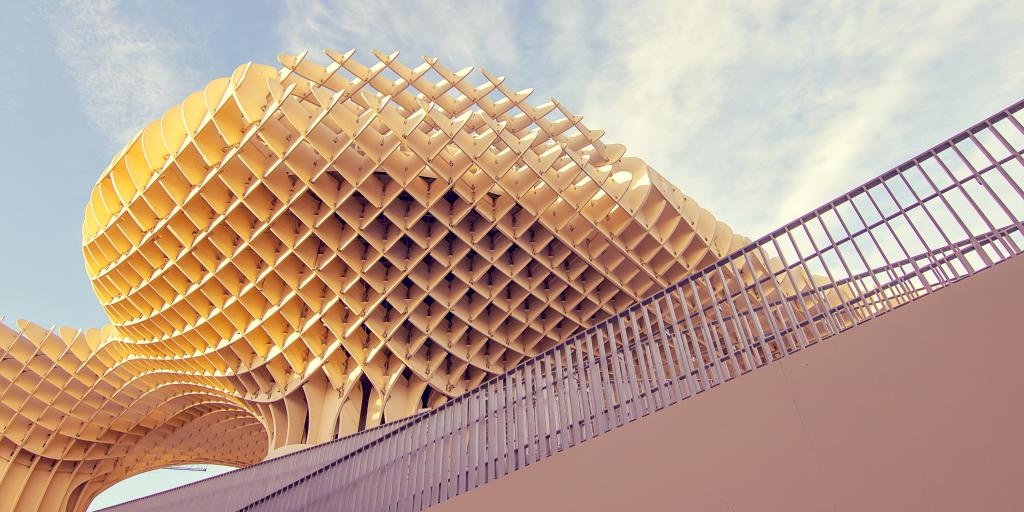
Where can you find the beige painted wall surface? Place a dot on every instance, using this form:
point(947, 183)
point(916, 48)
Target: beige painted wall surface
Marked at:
point(920, 409)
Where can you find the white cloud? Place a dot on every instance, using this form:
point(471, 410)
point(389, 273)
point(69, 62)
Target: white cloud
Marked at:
point(867, 107)
point(759, 110)
point(127, 71)
point(461, 33)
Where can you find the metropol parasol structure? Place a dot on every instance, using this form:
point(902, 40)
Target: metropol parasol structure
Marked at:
point(295, 254)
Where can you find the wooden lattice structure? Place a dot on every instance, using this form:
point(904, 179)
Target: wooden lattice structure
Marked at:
point(295, 254)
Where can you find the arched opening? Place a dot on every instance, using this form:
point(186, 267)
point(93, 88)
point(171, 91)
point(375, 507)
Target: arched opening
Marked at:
point(154, 481)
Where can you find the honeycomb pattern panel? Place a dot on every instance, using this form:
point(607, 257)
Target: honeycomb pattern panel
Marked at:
point(77, 416)
point(405, 224)
point(295, 254)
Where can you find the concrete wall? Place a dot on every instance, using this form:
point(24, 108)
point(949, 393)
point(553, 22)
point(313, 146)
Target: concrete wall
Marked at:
point(920, 409)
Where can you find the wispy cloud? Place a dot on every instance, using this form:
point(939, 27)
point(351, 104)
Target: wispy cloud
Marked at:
point(127, 69)
point(759, 110)
point(867, 106)
point(463, 33)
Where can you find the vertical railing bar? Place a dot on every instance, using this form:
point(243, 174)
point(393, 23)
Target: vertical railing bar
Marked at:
point(606, 337)
point(389, 467)
point(373, 479)
point(675, 335)
point(952, 211)
point(368, 482)
point(483, 394)
point(483, 400)
point(522, 420)
point(473, 433)
point(383, 448)
point(386, 447)
point(461, 464)
point(1008, 244)
point(544, 420)
point(843, 303)
point(766, 307)
point(644, 355)
point(555, 405)
point(604, 371)
point(362, 484)
point(501, 426)
point(628, 401)
point(465, 445)
point(562, 388)
point(672, 394)
point(587, 428)
point(480, 428)
point(1013, 120)
point(596, 392)
point(723, 328)
point(345, 473)
point(375, 467)
point(299, 497)
point(787, 311)
point(419, 465)
point(372, 487)
point(433, 459)
point(402, 447)
point(630, 365)
point(489, 428)
point(1009, 114)
point(764, 356)
point(533, 452)
point(572, 394)
point(392, 468)
point(474, 462)
point(896, 272)
point(855, 282)
point(1002, 171)
point(743, 332)
point(860, 253)
point(1016, 154)
point(742, 337)
point(390, 448)
point(797, 294)
point(710, 340)
point(516, 428)
point(376, 498)
point(938, 228)
point(616, 377)
point(294, 495)
point(440, 454)
point(418, 471)
point(445, 470)
point(415, 469)
point(820, 299)
point(918, 271)
point(403, 466)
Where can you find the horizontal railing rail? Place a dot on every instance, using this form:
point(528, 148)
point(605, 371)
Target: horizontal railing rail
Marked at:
point(940, 217)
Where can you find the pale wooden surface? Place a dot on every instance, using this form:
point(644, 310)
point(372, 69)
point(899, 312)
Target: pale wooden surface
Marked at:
point(288, 240)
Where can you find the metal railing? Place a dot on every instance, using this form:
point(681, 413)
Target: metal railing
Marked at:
point(945, 215)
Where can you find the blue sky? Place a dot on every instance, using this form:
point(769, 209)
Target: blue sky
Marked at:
point(760, 110)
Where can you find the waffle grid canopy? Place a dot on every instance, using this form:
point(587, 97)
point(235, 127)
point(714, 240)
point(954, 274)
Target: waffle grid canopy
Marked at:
point(401, 224)
point(292, 255)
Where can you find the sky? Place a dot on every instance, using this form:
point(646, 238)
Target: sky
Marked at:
point(760, 110)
